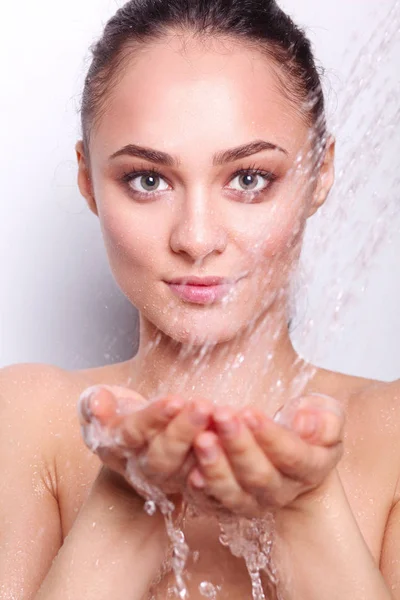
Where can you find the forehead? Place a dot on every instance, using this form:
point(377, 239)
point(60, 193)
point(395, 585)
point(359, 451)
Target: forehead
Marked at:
point(173, 94)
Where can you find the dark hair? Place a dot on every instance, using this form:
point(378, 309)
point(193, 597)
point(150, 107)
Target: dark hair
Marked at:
point(260, 23)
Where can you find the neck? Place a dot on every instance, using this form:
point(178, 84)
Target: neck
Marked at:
point(258, 367)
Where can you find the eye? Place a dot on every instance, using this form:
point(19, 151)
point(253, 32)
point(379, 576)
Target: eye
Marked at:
point(145, 182)
point(253, 180)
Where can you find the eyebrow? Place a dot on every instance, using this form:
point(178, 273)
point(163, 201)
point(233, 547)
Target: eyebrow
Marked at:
point(220, 158)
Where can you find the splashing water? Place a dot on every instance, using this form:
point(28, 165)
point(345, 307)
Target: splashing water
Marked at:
point(344, 280)
point(253, 539)
point(208, 590)
point(97, 436)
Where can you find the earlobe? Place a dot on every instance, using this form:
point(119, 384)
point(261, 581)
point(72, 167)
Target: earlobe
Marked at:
point(326, 177)
point(84, 179)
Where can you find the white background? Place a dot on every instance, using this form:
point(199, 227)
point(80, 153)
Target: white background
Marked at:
point(59, 303)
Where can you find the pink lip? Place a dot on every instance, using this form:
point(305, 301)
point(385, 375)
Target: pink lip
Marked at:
point(206, 290)
point(200, 294)
point(200, 281)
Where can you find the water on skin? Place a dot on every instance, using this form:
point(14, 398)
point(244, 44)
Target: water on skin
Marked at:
point(252, 540)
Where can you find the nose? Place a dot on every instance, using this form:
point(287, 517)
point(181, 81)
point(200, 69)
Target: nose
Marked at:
point(198, 231)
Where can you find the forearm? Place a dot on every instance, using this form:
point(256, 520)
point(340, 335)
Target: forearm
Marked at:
point(321, 554)
point(114, 550)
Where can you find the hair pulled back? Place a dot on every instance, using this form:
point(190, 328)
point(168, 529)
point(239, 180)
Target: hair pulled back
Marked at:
point(258, 22)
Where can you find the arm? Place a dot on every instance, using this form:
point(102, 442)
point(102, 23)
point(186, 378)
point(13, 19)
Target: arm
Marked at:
point(325, 534)
point(99, 562)
point(321, 552)
point(118, 553)
point(30, 530)
point(108, 553)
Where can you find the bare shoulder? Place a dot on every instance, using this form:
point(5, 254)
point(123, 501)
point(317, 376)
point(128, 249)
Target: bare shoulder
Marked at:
point(375, 402)
point(32, 390)
point(38, 402)
point(375, 410)
point(372, 434)
point(38, 413)
point(359, 393)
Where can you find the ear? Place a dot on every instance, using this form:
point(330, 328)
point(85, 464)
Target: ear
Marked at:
point(84, 178)
point(326, 177)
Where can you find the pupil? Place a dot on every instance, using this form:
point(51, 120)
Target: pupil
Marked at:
point(149, 181)
point(248, 180)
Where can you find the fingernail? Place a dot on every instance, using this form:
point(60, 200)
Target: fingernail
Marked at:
point(226, 421)
point(86, 401)
point(197, 480)
point(251, 421)
point(306, 424)
point(229, 427)
point(210, 453)
point(208, 450)
point(199, 414)
point(172, 408)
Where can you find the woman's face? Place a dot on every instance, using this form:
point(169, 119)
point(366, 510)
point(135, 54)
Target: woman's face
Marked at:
point(203, 212)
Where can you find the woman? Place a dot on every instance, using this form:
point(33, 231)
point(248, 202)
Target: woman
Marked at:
point(204, 153)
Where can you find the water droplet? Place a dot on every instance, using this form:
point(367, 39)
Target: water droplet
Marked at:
point(207, 590)
point(150, 508)
point(224, 539)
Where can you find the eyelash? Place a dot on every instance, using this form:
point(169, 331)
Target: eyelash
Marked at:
point(128, 177)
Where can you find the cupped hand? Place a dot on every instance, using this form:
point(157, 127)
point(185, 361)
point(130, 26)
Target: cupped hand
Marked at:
point(120, 425)
point(252, 464)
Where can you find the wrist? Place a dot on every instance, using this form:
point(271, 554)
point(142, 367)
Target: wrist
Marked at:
point(117, 500)
point(313, 504)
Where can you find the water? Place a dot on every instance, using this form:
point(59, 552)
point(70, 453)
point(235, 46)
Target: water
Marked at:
point(362, 156)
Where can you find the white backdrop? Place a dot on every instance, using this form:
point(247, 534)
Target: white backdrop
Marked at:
point(59, 303)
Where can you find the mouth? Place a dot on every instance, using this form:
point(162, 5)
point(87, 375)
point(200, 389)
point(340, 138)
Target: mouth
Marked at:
point(206, 290)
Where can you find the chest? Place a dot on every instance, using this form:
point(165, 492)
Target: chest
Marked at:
point(212, 570)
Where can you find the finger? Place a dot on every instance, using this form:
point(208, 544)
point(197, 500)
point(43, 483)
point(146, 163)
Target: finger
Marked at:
point(253, 470)
point(290, 454)
point(168, 450)
point(107, 402)
point(139, 428)
point(216, 477)
point(317, 417)
point(320, 427)
point(94, 402)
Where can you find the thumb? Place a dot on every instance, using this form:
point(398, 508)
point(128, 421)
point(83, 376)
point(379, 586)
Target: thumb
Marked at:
point(329, 412)
point(104, 402)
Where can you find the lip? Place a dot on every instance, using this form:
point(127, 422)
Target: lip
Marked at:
point(201, 290)
point(201, 281)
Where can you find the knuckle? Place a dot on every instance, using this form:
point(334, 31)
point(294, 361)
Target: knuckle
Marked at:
point(238, 448)
point(132, 436)
point(294, 461)
point(257, 480)
point(213, 473)
point(178, 437)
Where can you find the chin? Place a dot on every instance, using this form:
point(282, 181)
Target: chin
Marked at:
point(212, 331)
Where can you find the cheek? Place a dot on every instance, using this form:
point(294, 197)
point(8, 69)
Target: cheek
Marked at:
point(275, 236)
point(130, 244)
